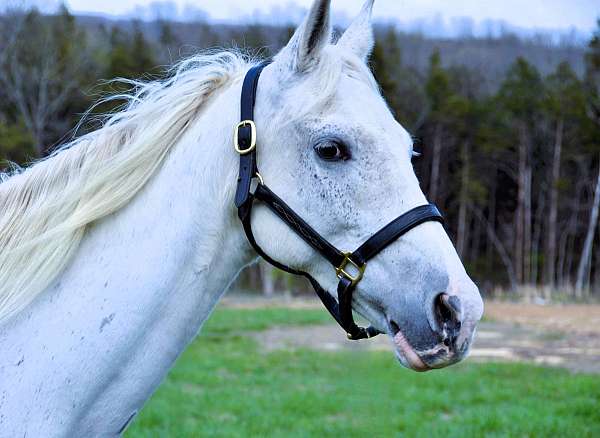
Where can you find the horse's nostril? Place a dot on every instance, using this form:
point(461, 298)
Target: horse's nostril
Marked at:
point(448, 308)
point(449, 315)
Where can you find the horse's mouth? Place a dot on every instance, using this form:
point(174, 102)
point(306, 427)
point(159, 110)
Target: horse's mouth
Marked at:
point(405, 353)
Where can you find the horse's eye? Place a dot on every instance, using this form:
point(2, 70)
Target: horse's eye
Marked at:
point(332, 150)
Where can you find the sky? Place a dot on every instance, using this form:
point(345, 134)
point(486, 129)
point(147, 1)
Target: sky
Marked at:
point(543, 14)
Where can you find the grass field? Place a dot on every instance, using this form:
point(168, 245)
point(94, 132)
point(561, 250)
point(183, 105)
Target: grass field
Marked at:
point(224, 386)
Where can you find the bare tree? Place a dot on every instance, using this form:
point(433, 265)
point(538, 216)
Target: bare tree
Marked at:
point(553, 208)
point(39, 65)
point(436, 157)
point(586, 254)
point(506, 260)
point(537, 235)
point(267, 278)
point(523, 212)
point(461, 234)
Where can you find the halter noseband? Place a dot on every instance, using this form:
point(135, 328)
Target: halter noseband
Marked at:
point(341, 310)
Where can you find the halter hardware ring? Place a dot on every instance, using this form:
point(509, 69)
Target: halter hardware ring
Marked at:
point(352, 338)
point(341, 272)
point(260, 179)
point(236, 131)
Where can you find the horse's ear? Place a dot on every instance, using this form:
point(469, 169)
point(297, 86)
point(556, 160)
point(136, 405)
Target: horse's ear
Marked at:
point(310, 38)
point(359, 38)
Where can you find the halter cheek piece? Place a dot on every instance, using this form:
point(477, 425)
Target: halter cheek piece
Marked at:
point(349, 266)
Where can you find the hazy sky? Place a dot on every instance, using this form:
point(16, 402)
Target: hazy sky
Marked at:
point(561, 14)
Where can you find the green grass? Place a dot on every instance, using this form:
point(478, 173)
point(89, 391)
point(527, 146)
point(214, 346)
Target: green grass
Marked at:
point(224, 386)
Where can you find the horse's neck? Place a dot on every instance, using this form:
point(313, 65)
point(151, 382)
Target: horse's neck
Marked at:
point(99, 340)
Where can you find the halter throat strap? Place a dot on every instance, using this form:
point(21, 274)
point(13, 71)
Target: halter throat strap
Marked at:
point(349, 266)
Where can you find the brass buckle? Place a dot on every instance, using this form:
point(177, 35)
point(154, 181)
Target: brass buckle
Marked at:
point(341, 272)
point(252, 137)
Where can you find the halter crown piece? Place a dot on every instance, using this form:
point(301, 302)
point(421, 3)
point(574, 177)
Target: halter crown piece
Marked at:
point(349, 266)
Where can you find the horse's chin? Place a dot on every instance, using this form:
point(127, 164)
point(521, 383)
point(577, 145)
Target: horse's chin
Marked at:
point(439, 356)
point(406, 354)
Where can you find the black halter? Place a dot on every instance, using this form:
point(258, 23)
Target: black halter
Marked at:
point(245, 145)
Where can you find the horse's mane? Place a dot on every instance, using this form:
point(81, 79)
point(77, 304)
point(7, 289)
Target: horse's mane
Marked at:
point(45, 208)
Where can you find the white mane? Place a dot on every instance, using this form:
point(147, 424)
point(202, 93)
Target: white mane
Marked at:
point(47, 207)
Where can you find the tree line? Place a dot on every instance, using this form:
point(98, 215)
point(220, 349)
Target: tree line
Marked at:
point(515, 166)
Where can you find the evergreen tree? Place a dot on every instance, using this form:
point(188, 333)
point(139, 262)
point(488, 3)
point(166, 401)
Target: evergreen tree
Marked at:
point(169, 43)
point(386, 61)
point(120, 64)
point(141, 52)
point(130, 55)
point(438, 92)
point(592, 75)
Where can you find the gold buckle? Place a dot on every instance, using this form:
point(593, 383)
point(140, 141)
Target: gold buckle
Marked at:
point(252, 137)
point(340, 271)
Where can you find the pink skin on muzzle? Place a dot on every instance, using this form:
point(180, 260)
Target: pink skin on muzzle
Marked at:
point(409, 354)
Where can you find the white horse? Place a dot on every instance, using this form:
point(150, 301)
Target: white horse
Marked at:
point(115, 249)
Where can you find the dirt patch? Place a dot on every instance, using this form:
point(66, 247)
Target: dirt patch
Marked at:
point(505, 341)
point(568, 318)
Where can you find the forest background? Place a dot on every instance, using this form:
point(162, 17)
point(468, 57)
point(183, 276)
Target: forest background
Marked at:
point(508, 127)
